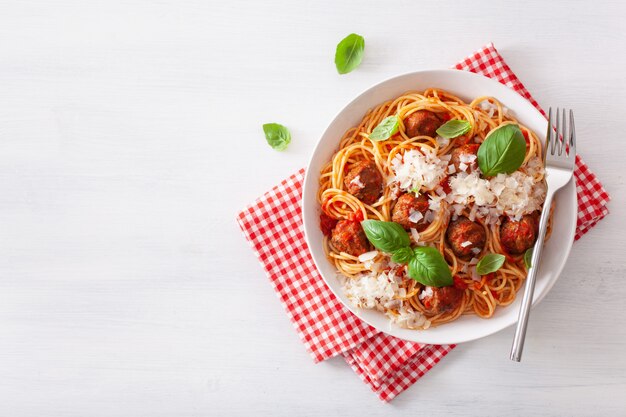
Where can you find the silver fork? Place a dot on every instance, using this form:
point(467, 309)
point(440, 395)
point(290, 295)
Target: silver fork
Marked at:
point(560, 157)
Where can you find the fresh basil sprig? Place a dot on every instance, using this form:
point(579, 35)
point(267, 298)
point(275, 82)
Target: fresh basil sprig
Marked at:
point(386, 236)
point(502, 151)
point(402, 255)
point(490, 263)
point(428, 267)
point(349, 53)
point(453, 128)
point(385, 129)
point(528, 255)
point(277, 136)
point(426, 264)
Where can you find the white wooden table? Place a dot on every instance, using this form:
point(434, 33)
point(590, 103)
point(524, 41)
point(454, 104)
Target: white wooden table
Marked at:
point(130, 135)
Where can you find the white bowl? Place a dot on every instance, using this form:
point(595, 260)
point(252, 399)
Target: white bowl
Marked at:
point(466, 86)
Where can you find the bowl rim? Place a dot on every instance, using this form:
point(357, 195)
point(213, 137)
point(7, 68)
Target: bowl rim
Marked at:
point(538, 297)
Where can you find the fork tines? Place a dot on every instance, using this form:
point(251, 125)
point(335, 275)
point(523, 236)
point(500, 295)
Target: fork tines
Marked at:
point(561, 136)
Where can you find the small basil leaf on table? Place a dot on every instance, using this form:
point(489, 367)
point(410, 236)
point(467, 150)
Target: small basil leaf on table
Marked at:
point(428, 267)
point(454, 128)
point(502, 151)
point(402, 255)
point(490, 263)
point(385, 129)
point(277, 136)
point(385, 236)
point(349, 53)
point(528, 255)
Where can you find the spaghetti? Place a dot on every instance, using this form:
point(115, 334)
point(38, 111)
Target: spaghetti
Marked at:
point(479, 295)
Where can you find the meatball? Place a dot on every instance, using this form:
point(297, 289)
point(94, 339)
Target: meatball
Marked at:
point(364, 181)
point(441, 300)
point(407, 204)
point(519, 236)
point(348, 236)
point(421, 123)
point(466, 155)
point(465, 237)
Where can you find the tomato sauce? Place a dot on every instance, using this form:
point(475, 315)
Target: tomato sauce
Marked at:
point(445, 184)
point(327, 224)
point(459, 283)
point(357, 216)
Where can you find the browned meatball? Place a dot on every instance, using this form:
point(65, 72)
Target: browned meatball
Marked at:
point(459, 155)
point(407, 204)
point(443, 299)
point(518, 236)
point(463, 235)
point(421, 123)
point(364, 181)
point(348, 236)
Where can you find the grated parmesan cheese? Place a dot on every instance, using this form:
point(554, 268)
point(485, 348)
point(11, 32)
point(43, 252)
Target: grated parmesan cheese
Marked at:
point(415, 169)
point(468, 158)
point(430, 216)
point(474, 274)
point(517, 194)
point(489, 107)
point(434, 204)
point(357, 181)
point(513, 195)
point(368, 256)
point(415, 216)
point(426, 292)
point(442, 142)
point(372, 290)
point(415, 235)
point(534, 168)
point(466, 244)
point(409, 319)
point(470, 187)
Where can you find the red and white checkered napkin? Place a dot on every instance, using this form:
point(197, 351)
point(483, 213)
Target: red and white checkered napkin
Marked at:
point(273, 226)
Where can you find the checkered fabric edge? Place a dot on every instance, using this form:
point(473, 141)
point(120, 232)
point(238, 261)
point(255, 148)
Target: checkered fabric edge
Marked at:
point(404, 376)
point(273, 226)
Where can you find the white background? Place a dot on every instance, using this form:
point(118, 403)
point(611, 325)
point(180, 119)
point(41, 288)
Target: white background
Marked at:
point(130, 136)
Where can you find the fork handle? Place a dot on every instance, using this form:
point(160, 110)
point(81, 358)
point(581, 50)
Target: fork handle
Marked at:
point(527, 300)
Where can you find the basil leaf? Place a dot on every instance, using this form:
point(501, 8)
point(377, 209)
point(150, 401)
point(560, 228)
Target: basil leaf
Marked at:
point(402, 255)
point(386, 236)
point(490, 263)
point(349, 53)
point(454, 128)
point(503, 151)
point(385, 129)
point(528, 255)
point(277, 136)
point(428, 267)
